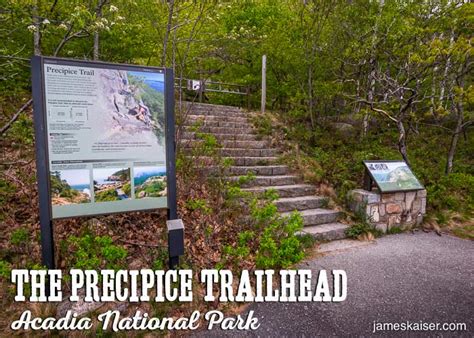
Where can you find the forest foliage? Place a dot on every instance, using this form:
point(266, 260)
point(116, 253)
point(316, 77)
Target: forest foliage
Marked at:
point(402, 64)
point(348, 81)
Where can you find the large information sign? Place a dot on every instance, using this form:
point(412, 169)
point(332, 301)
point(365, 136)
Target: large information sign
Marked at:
point(105, 131)
point(392, 176)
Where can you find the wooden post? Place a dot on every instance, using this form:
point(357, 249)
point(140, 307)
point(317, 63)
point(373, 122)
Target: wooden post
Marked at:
point(247, 91)
point(264, 82)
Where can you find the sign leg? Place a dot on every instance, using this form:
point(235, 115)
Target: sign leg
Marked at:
point(47, 244)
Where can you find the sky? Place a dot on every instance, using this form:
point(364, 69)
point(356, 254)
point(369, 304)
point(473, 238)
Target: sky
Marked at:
point(75, 177)
point(137, 171)
point(149, 76)
point(103, 174)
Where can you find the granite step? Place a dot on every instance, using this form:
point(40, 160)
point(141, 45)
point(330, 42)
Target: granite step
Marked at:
point(222, 130)
point(201, 105)
point(188, 135)
point(317, 216)
point(192, 117)
point(300, 203)
point(261, 145)
point(231, 113)
point(245, 161)
point(248, 152)
point(217, 123)
point(260, 170)
point(292, 190)
point(267, 180)
point(267, 170)
point(253, 161)
point(326, 232)
point(220, 112)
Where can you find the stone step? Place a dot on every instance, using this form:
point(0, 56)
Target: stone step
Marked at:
point(191, 117)
point(216, 123)
point(260, 145)
point(245, 161)
point(300, 203)
point(263, 170)
point(268, 180)
point(268, 170)
point(252, 161)
point(188, 135)
point(223, 130)
point(245, 144)
point(219, 112)
point(209, 106)
point(326, 232)
point(317, 216)
point(248, 152)
point(292, 190)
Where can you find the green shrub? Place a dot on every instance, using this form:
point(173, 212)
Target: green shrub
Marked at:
point(279, 246)
point(267, 236)
point(5, 269)
point(362, 228)
point(20, 237)
point(394, 230)
point(263, 124)
point(127, 189)
point(95, 252)
point(198, 204)
point(454, 192)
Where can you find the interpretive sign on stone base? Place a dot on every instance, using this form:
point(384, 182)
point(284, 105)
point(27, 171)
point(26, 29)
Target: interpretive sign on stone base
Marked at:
point(384, 211)
point(390, 176)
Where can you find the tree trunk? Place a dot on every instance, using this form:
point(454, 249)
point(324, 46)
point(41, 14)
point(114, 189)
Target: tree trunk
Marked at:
point(310, 95)
point(167, 33)
point(459, 123)
point(98, 15)
point(95, 54)
point(446, 72)
point(37, 31)
point(370, 98)
point(433, 93)
point(402, 147)
point(372, 64)
point(454, 140)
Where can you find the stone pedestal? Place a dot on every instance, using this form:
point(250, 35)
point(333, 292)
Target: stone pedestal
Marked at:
point(384, 211)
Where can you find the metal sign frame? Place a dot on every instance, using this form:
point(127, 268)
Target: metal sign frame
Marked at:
point(42, 153)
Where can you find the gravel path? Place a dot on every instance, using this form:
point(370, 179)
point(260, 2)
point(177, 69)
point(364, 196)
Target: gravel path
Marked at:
point(398, 278)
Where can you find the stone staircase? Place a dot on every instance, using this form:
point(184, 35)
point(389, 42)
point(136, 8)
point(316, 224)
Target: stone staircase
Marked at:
point(231, 127)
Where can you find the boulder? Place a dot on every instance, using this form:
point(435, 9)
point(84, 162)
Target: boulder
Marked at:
point(345, 130)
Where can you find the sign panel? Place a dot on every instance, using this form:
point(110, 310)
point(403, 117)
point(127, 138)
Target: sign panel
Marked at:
point(195, 85)
point(392, 176)
point(105, 133)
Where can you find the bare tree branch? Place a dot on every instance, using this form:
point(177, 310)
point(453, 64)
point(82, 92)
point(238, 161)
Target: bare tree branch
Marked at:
point(15, 117)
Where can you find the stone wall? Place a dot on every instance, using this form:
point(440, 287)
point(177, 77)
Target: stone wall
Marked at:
point(384, 211)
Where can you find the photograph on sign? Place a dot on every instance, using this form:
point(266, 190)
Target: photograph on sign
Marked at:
point(392, 175)
point(70, 187)
point(106, 137)
point(149, 182)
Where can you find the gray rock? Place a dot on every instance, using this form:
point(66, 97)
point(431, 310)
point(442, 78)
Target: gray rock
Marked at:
point(80, 307)
point(345, 130)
